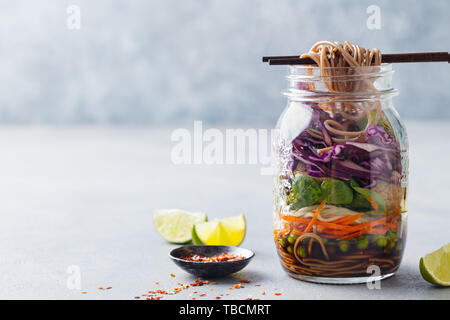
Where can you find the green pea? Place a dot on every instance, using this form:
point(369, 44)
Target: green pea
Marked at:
point(292, 237)
point(362, 243)
point(393, 236)
point(391, 244)
point(290, 250)
point(301, 251)
point(381, 241)
point(282, 242)
point(344, 245)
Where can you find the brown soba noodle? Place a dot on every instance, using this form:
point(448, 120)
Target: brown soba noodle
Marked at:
point(343, 266)
point(341, 70)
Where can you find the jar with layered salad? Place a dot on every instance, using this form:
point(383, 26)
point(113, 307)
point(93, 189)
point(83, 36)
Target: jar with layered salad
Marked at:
point(339, 212)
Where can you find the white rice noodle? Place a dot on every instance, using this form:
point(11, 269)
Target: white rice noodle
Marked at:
point(328, 213)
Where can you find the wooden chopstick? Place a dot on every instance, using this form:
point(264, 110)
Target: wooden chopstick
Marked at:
point(386, 58)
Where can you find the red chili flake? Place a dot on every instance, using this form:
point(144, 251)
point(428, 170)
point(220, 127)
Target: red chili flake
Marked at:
point(221, 258)
point(218, 297)
point(237, 286)
point(107, 288)
point(193, 298)
point(202, 295)
point(137, 297)
point(278, 294)
point(244, 281)
point(172, 275)
point(263, 293)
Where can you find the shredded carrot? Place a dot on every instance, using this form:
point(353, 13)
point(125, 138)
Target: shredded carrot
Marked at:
point(372, 202)
point(284, 231)
point(295, 219)
point(343, 228)
point(333, 226)
point(348, 219)
point(297, 232)
point(350, 236)
point(316, 214)
point(320, 151)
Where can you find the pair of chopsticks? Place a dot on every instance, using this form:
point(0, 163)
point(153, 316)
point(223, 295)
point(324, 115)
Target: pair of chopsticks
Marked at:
point(385, 58)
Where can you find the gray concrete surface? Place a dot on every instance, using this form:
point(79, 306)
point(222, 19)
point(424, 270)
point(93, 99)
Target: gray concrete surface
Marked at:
point(84, 196)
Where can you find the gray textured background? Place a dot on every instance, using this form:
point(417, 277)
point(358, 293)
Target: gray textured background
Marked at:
point(170, 62)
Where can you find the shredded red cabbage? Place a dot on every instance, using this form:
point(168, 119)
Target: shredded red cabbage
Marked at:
point(364, 161)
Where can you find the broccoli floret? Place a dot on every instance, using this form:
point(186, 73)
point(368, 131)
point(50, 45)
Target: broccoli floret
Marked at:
point(305, 192)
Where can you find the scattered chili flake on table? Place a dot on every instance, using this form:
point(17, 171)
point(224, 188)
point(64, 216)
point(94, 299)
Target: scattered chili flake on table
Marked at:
point(159, 294)
point(107, 288)
point(220, 258)
point(83, 292)
point(172, 275)
point(278, 294)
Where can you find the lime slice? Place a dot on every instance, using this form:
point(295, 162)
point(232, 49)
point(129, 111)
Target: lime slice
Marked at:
point(435, 266)
point(175, 225)
point(226, 232)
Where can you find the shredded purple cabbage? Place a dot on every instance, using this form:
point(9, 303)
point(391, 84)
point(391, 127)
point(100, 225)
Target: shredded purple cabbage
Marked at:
point(364, 161)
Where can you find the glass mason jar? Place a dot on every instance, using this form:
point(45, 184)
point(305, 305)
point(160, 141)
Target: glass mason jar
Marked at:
point(341, 176)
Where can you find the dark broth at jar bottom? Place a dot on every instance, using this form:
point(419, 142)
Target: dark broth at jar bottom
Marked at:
point(344, 258)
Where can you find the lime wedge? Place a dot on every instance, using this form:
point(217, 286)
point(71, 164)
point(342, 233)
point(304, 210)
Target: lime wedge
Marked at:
point(435, 266)
point(226, 232)
point(175, 225)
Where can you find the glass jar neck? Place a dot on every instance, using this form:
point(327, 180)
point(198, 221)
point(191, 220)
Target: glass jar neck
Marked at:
point(312, 83)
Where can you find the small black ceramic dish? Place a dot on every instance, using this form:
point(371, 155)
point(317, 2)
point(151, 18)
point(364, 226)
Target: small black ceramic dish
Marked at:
point(210, 269)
